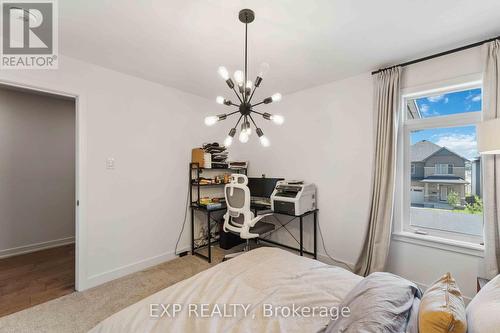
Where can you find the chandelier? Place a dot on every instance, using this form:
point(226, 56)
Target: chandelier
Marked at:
point(245, 92)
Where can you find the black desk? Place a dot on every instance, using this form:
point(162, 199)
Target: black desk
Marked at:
point(255, 208)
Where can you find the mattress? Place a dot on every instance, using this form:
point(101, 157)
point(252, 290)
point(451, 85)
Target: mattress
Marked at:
point(264, 290)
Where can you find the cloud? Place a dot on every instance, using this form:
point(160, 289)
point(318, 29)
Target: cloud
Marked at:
point(463, 144)
point(474, 98)
point(426, 110)
point(435, 99)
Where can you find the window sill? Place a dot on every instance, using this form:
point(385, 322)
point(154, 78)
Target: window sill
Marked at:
point(471, 249)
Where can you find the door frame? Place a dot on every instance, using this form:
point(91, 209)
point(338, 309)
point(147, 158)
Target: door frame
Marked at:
point(80, 170)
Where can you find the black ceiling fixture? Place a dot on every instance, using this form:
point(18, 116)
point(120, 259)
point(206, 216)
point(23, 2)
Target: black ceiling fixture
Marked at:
point(245, 92)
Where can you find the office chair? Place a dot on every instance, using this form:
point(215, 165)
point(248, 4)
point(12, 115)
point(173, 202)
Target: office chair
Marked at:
point(239, 219)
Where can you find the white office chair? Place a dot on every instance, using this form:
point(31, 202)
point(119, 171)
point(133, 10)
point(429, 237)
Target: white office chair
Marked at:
point(239, 219)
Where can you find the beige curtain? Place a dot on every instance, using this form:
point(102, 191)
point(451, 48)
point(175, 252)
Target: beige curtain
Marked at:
point(386, 106)
point(491, 163)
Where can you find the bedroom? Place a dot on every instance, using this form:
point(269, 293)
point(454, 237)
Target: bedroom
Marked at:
point(144, 75)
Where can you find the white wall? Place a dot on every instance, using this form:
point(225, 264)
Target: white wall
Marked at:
point(37, 172)
point(129, 217)
point(326, 140)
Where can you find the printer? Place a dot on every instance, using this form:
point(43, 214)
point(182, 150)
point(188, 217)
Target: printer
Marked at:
point(293, 197)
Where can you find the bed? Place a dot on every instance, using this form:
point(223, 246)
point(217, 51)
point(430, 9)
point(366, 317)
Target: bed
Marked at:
point(255, 292)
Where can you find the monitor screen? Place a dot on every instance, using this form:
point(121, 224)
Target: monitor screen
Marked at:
point(262, 187)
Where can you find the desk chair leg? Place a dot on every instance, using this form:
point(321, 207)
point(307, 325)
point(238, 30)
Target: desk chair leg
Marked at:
point(246, 248)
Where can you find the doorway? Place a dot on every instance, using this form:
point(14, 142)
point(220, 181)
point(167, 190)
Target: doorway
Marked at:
point(443, 190)
point(37, 197)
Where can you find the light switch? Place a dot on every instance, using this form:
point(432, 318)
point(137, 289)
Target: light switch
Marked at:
point(110, 163)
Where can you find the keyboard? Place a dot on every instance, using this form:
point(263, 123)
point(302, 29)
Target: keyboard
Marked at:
point(262, 202)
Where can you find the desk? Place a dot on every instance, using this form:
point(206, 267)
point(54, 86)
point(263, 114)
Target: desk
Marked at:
point(255, 208)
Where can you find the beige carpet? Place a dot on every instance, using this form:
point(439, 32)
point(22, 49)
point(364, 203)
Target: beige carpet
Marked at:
point(80, 311)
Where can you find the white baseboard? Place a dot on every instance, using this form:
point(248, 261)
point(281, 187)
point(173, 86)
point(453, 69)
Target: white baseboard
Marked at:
point(35, 247)
point(119, 272)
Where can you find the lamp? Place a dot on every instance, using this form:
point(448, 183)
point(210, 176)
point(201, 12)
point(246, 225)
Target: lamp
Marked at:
point(246, 89)
point(488, 137)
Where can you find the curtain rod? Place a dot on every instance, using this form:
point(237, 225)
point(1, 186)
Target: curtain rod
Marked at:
point(458, 49)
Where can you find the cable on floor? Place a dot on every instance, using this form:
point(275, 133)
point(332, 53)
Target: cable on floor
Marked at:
point(183, 223)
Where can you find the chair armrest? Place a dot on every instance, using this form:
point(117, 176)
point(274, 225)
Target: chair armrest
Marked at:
point(258, 218)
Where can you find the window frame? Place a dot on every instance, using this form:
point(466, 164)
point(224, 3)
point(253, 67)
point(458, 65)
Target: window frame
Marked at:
point(403, 205)
point(447, 168)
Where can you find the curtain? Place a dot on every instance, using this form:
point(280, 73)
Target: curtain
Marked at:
point(386, 107)
point(491, 163)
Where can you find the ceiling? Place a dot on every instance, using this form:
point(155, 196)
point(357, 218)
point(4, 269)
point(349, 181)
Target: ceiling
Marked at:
point(307, 43)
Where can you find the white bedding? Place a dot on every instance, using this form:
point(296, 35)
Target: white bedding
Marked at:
point(263, 277)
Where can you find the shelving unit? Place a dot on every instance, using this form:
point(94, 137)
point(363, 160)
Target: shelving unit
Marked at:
point(195, 186)
point(195, 181)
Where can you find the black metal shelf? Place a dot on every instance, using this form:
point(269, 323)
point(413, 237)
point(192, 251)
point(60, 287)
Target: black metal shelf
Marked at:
point(195, 204)
point(203, 185)
point(233, 169)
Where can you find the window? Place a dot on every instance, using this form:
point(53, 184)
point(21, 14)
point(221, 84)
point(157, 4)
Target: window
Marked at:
point(443, 169)
point(441, 173)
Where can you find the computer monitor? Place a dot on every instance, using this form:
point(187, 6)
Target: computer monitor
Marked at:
point(262, 187)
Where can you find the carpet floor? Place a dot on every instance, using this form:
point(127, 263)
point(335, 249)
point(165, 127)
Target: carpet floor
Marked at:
point(81, 311)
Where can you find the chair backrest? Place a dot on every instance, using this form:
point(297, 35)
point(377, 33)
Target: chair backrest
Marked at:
point(237, 196)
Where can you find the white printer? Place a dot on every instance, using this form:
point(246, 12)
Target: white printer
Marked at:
point(293, 197)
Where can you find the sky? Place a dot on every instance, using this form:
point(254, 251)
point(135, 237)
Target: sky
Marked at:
point(461, 140)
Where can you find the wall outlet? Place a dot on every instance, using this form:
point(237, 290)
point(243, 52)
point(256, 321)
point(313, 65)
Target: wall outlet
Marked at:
point(110, 163)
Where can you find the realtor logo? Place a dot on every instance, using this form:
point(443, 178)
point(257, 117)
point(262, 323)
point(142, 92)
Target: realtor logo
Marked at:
point(29, 34)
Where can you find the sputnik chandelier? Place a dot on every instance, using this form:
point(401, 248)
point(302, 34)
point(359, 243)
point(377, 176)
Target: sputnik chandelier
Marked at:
point(246, 90)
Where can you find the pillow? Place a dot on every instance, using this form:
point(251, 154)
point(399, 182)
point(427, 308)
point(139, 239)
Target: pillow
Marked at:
point(412, 326)
point(442, 308)
point(381, 302)
point(483, 312)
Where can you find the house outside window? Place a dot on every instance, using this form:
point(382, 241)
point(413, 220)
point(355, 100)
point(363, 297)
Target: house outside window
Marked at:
point(441, 166)
point(443, 169)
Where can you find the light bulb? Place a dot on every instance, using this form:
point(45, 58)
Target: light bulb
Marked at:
point(243, 137)
point(228, 141)
point(220, 100)
point(264, 68)
point(277, 119)
point(211, 120)
point(245, 127)
point(249, 84)
point(264, 141)
point(239, 77)
point(223, 73)
point(276, 97)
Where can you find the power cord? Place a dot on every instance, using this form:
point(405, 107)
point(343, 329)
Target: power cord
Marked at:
point(328, 255)
point(183, 223)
